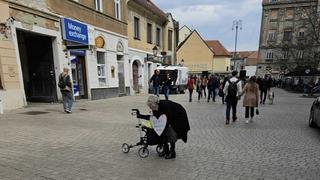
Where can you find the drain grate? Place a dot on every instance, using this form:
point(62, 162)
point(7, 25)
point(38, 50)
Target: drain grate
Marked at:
point(35, 112)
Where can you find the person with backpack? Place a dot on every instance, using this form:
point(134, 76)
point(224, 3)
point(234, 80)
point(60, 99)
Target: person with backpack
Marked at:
point(232, 90)
point(65, 86)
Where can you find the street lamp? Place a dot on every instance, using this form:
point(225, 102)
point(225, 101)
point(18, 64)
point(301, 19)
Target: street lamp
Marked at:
point(153, 56)
point(237, 24)
point(155, 51)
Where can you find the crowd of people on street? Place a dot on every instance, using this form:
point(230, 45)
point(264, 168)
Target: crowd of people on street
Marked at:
point(230, 88)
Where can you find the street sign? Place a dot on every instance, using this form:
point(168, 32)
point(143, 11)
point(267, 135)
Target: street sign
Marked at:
point(75, 31)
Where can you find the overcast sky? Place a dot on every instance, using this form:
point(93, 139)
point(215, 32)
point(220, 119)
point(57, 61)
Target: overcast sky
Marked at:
point(213, 19)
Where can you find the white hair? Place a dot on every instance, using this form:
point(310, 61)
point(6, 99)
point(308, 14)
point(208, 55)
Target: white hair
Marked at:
point(153, 102)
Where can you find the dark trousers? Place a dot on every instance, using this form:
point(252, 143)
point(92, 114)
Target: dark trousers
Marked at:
point(203, 88)
point(211, 92)
point(251, 109)
point(166, 91)
point(190, 94)
point(199, 95)
point(222, 99)
point(231, 104)
point(263, 93)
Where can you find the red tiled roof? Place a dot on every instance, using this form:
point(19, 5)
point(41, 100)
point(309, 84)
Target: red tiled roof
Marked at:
point(148, 4)
point(217, 48)
point(250, 56)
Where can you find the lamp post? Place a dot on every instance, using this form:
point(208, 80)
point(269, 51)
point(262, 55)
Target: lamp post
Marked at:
point(155, 51)
point(237, 25)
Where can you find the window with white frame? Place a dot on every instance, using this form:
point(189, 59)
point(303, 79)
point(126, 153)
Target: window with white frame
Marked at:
point(117, 7)
point(98, 5)
point(101, 67)
point(269, 54)
point(272, 35)
point(285, 53)
point(300, 54)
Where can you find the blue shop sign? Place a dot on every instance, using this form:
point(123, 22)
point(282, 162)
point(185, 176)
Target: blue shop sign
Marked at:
point(75, 31)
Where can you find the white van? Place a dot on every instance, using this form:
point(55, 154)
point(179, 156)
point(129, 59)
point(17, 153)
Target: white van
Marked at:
point(179, 76)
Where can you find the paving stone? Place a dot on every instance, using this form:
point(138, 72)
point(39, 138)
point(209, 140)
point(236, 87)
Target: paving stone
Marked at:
point(87, 144)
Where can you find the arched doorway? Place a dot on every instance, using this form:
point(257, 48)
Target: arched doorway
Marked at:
point(135, 74)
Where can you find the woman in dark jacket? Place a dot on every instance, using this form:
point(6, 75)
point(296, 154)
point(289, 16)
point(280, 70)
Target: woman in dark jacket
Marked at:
point(177, 126)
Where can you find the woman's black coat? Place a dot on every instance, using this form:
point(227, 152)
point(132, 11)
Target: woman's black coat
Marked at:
point(176, 117)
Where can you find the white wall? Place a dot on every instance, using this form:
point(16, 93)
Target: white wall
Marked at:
point(251, 70)
point(110, 50)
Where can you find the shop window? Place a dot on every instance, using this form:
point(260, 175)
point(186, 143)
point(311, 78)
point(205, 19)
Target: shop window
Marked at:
point(101, 67)
point(112, 71)
point(117, 4)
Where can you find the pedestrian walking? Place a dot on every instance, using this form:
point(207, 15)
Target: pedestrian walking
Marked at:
point(156, 82)
point(251, 98)
point(204, 83)
point(190, 86)
point(213, 84)
point(264, 85)
point(199, 88)
point(177, 126)
point(232, 90)
point(167, 86)
point(65, 86)
point(222, 84)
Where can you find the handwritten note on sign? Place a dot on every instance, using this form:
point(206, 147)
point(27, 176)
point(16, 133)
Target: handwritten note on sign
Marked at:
point(159, 124)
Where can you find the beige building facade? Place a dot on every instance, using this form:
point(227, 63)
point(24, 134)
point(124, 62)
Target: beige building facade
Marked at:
point(152, 35)
point(39, 38)
point(221, 59)
point(195, 54)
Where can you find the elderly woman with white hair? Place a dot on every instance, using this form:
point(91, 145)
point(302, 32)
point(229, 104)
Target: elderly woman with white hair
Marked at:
point(177, 126)
point(65, 86)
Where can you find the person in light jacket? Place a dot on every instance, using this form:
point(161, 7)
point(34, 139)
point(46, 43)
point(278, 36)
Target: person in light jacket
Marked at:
point(251, 97)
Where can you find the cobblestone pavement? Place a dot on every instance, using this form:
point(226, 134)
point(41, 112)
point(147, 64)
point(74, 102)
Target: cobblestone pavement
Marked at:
point(87, 144)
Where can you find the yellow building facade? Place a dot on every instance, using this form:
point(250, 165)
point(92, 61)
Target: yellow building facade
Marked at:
point(195, 54)
point(222, 58)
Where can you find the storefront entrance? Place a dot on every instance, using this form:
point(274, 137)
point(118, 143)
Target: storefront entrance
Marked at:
point(37, 65)
point(78, 70)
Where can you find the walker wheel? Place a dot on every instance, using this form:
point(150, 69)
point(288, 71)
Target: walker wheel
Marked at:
point(143, 152)
point(125, 148)
point(159, 149)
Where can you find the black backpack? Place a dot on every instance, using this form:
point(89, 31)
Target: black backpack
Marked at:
point(62, 82)
point(233, 89)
